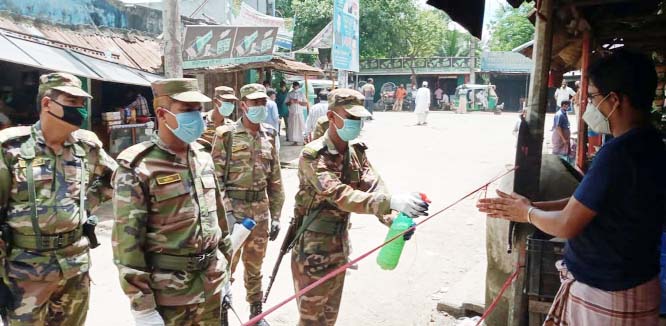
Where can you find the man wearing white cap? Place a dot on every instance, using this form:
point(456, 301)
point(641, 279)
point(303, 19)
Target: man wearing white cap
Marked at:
point(422, 104)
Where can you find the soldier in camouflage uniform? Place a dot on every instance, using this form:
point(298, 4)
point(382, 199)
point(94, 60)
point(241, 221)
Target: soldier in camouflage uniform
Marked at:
point(170, 236)
point(336, 179)
point(50, 174)
point(223, 106)
point(248, 167)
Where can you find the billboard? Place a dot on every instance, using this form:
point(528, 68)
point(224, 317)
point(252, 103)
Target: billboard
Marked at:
point(214, 45)
point(345, 51)
point(247, 16)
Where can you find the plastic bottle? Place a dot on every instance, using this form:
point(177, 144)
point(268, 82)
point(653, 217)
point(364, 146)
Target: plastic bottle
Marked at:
point(241, 232)
point(389, 255)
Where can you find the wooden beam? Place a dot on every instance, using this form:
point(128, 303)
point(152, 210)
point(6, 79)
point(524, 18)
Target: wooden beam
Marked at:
point(581, 148)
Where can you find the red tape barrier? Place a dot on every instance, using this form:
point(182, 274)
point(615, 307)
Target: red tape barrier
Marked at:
point(363, 256)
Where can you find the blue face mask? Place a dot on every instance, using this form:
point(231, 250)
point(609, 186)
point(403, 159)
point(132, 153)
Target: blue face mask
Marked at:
point(226, 108)
point(190, 126)
point(257, 114)
point(350, 129)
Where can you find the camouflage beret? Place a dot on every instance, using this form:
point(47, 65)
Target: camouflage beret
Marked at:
point(63, 82)
point(179, 89)
point(253, 92)
point(226, 93)
point(350, 99)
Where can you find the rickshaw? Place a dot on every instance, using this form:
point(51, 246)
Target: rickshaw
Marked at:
point(476, 97)
point(387, 93)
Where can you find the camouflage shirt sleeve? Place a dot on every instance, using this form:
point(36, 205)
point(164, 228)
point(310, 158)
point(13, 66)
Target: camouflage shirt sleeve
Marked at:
point(275, 189)
point(327, 184)
point(219, 154)
point(100, 189)
point(225, 245)
point(130, 208)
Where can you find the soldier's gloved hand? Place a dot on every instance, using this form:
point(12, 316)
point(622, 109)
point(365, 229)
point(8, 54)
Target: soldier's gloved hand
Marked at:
point(148, 317)
point(275, 230)
point(409, 234)
point(409, 203)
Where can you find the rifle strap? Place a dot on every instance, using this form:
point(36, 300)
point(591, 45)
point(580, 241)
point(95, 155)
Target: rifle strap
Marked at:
point(33, 203)
point(306, 222)
point(228, 143)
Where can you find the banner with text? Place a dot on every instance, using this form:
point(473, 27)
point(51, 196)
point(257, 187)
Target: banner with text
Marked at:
point(345, 51)
point(208, 46)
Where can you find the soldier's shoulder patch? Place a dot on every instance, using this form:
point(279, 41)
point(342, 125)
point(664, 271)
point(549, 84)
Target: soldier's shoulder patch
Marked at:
point(167, 179)
point(128, 157)
point(223, 129)
point(312, 149)
point(88, 137)
point(14, 132)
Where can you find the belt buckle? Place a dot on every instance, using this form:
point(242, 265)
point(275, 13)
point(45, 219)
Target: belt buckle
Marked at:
point(248, 196)
point(59, 240)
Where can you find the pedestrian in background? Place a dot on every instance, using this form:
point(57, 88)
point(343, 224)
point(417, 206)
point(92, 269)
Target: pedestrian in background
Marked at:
point(400, 95)
point(317, 111)
point(296, 126)
point(273, 117)
point(561, 138)
point(564, 93)
point(283, 109)
point(368, 91)
point(422, 105)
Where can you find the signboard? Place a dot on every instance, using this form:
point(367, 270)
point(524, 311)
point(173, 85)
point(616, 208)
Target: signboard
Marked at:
point(213, 45)
point(345, 51)
point(247, 16)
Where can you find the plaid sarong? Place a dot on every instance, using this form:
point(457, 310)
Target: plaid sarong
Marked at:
point(580, 304)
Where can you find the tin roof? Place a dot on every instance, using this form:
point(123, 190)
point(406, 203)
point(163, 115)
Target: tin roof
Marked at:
point(506, 62)
point(125, 48)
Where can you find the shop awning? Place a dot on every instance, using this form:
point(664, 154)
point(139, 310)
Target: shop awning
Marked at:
point(31, 53)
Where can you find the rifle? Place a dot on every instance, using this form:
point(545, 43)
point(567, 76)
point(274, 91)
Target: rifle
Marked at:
point(287, 245)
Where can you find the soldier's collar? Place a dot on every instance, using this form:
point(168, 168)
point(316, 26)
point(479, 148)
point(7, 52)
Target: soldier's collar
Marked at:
point(38, 135)
point(330, 147)
point(240, 127)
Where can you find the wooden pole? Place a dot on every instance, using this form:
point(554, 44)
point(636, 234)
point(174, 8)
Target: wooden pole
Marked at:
point(528, 154)
point(581, 148)
point(173, 45)
point(307, 92)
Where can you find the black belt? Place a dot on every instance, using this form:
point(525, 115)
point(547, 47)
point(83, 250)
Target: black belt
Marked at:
point(193, 263)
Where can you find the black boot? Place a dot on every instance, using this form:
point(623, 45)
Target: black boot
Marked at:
point(255, 310)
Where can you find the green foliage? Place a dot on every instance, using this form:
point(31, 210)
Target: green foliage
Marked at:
point(388, 28)
point(510, 27)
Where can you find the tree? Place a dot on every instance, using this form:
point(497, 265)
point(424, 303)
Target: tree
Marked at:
point(510, 27)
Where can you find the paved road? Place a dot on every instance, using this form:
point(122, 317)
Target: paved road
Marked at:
point(446, 159)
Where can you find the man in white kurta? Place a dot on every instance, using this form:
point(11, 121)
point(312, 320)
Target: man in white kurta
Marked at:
point(422, 104)
point(296, 125)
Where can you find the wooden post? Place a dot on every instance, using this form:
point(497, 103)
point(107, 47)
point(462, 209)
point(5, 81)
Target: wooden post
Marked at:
point(528, 152)
point(581, 148)
point(173, 45)
point(307, 92)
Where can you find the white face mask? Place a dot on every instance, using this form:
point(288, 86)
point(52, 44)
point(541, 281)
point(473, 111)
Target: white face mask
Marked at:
point(596, 120)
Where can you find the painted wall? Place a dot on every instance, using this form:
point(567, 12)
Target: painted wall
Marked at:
point(107, 13)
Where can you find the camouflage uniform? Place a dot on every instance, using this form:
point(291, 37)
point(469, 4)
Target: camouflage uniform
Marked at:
point(252, 189)
point(50, 281)
point(331, 186)
point(221, 93)
point(170, 236)
point(320, 128)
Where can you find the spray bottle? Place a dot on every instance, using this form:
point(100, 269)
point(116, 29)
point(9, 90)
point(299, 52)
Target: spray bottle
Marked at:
point(241, 232)
point(389, 255)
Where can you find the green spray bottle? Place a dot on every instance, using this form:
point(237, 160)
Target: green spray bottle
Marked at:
point(389, 255)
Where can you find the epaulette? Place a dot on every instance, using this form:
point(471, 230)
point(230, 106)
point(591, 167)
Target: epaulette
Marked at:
point(128, 157)
point(272, 131)
point(223, 129)
point(88, 137)
point(358, 144)
point(313, 149)
point(14, 132)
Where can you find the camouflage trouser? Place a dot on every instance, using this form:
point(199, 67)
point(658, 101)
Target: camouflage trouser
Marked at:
point(198, 314)
point(310, 261)
point(253, 252)
point(63, 302)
